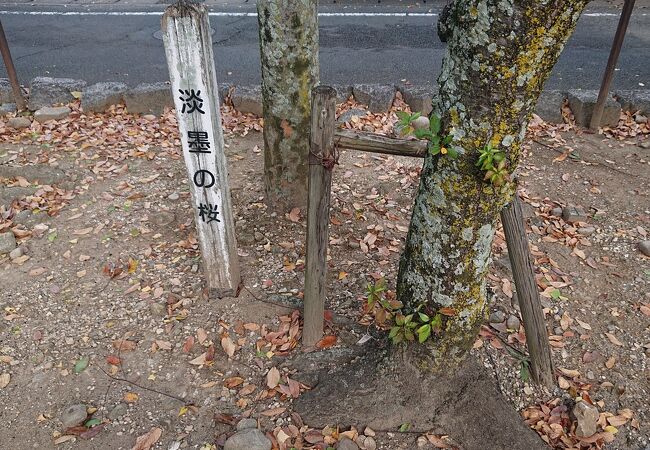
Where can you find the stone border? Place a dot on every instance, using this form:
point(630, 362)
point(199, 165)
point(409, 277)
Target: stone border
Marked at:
point(153, 98)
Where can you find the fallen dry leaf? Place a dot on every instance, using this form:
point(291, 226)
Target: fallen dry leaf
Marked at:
point(228, 346)
point(4, 380)
point(327, 341)
point(613, 339)
point(145, 441)
point(124, 345)
point(273, 378)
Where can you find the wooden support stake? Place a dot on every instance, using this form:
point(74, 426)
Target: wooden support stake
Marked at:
point(188, 47)
point(376, 143)
point(527, 293)
point(321, 162)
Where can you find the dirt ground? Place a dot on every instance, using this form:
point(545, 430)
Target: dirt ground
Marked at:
point(107, 308)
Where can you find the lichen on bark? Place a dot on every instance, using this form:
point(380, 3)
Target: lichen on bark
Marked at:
point(288, 32)
point(499, 54)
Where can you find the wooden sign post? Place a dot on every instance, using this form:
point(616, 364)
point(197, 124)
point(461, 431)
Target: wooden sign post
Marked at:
point(188, 47)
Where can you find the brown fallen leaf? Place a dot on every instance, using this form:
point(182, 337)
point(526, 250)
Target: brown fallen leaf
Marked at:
point(145, 441)
point(228, 346)
point(613, 339)
point(233, 382)
point(113, 360)
point(202, 335)
point(273, 378)
point(327, 341)
point(189, 343)
point(294, 215)
point(610, 362)
point(124, 345)
point(274, 411)
point(4, 380)
point(131, 397)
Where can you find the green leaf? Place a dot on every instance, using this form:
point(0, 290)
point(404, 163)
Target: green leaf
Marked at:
point(423, 317)
point(415, 116)
point(393, 332)
point(403, 116)
point(434, 149)
point(408, 334)
point(499, 156)
point(434, 124)
point(404, 427)
point(422, 134)
point(408, 318)
point(423, 333)
point(399, 319)
point(436, 323)
point(447, 140)
point(92, 422)
point(52, 236)
point(555, 294)
point(81, 365)
point(452, 152)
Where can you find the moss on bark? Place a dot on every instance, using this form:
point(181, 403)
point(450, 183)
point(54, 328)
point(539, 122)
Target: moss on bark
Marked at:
point(288, 32)
point(500, 53)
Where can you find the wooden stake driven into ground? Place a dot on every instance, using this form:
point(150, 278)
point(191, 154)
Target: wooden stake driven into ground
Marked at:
point(188, 47)
point(523, 273)
point(321, 163)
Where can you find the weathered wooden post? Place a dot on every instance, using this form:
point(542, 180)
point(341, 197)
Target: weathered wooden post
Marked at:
point(188, 46)
point(321, 162)
point(527, 294)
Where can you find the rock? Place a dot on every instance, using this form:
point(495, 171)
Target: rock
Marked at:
point(587, 231)
point(46, 91)
point(557, 212)
point(158, 309)
point(549, 106)
point(7, 242)
point(259, 237)
point(347, 116)
point(148, 98)
point(573, 214)
point(7, 108)
point(23, 217)
point(644, 144)
point(634, 101)
point(587, 417)
point(245, 424)
point(497, 317)
point(582, 104)
point(99, 96)
point(343, 92)
point(248, 439)
point(173, 196)
point(644, 247)
point(6, 93)
point(347, 444)
point(640, 119)
point(419, 98)
point(43, 174)
point(378, 97)
point(421, 123)
point(19, 122)
point(513, 322)
point(248, 100)
point(73, 415)
point(118, 411)
point(51, 113)
point(16, 253)
point(369, 443)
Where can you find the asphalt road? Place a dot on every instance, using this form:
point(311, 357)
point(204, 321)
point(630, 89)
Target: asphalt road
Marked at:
point(119, 42)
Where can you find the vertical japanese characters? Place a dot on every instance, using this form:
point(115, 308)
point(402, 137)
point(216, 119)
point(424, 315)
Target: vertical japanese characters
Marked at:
point(198, 142)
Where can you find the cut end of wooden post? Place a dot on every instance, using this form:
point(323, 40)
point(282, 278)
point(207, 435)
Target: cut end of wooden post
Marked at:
point(324, 91)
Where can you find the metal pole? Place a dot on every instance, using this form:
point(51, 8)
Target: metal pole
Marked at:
point(611, 64)
point(11, 70)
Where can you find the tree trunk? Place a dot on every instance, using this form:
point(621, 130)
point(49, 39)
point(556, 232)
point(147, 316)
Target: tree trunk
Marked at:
point(500, 53)
point(289, 53)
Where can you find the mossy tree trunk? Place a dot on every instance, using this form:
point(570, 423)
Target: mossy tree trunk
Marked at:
point(500, 52)
point(289, 53)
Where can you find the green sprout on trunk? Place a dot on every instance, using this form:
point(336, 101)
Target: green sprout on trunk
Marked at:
point(437, 144)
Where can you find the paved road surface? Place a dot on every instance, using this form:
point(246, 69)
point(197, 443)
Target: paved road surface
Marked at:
point(361, 41)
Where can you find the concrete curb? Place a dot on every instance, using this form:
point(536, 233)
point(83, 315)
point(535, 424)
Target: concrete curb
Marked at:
point(153, 98)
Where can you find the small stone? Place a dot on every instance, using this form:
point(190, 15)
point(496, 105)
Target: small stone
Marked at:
point(248, 100)
point(248, 439)
point(148, 98)
point(245, 424)
point(573, 214)
point(582, 104)
point(369, 432)
point(74, 415)
point(644, 144)
point(47, 91)
point(587, 417)
point(370, 444)
point(558, 331)
point(497, 317)
point(586, 231)
point(513, 323)
point(557, 212)
point(419, 98)
point(347, 444)
point(549, 106)
point(7, 242)
point(421, 123)
point(640, 119)
point(16, 253)
point(644, 247)
point(100, 96)
point(259, 237)
point(173, 196)
point(51, 113)
point(118, 411)
point(158, 309)
point(19, 122)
